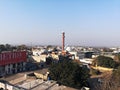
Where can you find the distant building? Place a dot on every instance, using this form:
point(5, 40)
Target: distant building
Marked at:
point(78, 55)
point(88, 54)
point(12, 62)
point(108, 54)
point(40, 58)
point(86, 60)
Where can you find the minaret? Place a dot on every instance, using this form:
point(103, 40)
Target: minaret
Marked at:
point(63, 41)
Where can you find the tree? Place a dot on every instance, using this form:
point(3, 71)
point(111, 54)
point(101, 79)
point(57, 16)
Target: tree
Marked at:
point(117, 57)
point(2, 48)
point(107, 50)
point(49, 60)
point(22, 47)
point(106, 62)
point(49, 46)
point(8, 47)
point(69, 73)
point(116, 75)
point(111, 81)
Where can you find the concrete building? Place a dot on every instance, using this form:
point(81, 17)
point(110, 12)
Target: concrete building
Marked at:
point(12, 62)
point(78, 55)
point(40, 58)
point(108, 54)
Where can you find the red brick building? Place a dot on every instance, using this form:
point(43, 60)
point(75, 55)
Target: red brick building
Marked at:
point(12, 62)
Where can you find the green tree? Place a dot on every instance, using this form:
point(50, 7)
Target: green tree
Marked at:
point(117, 57)
point(69, 73)
point(106, 62)
point(8, 47)
point(2, 48)
point(22, 47)
point(107, 50)
point(49, 60)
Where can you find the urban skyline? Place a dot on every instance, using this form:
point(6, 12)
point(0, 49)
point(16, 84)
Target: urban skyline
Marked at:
point(89, 23)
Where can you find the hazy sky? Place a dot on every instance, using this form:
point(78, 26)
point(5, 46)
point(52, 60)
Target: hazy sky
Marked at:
point(85, 22)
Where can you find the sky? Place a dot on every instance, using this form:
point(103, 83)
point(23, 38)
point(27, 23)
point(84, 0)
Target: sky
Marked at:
point(41, 22)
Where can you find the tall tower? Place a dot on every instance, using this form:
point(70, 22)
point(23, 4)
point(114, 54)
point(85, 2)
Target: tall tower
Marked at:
point(63, 41)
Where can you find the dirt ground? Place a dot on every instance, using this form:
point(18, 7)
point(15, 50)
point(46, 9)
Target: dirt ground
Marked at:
point(94, 80)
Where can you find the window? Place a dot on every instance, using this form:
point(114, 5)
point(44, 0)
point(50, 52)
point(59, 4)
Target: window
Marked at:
point(3, 56)
point(9, 55)
point(0, 57)
point(12, 55)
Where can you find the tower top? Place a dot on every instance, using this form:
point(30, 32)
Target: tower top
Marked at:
point(63, 41)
